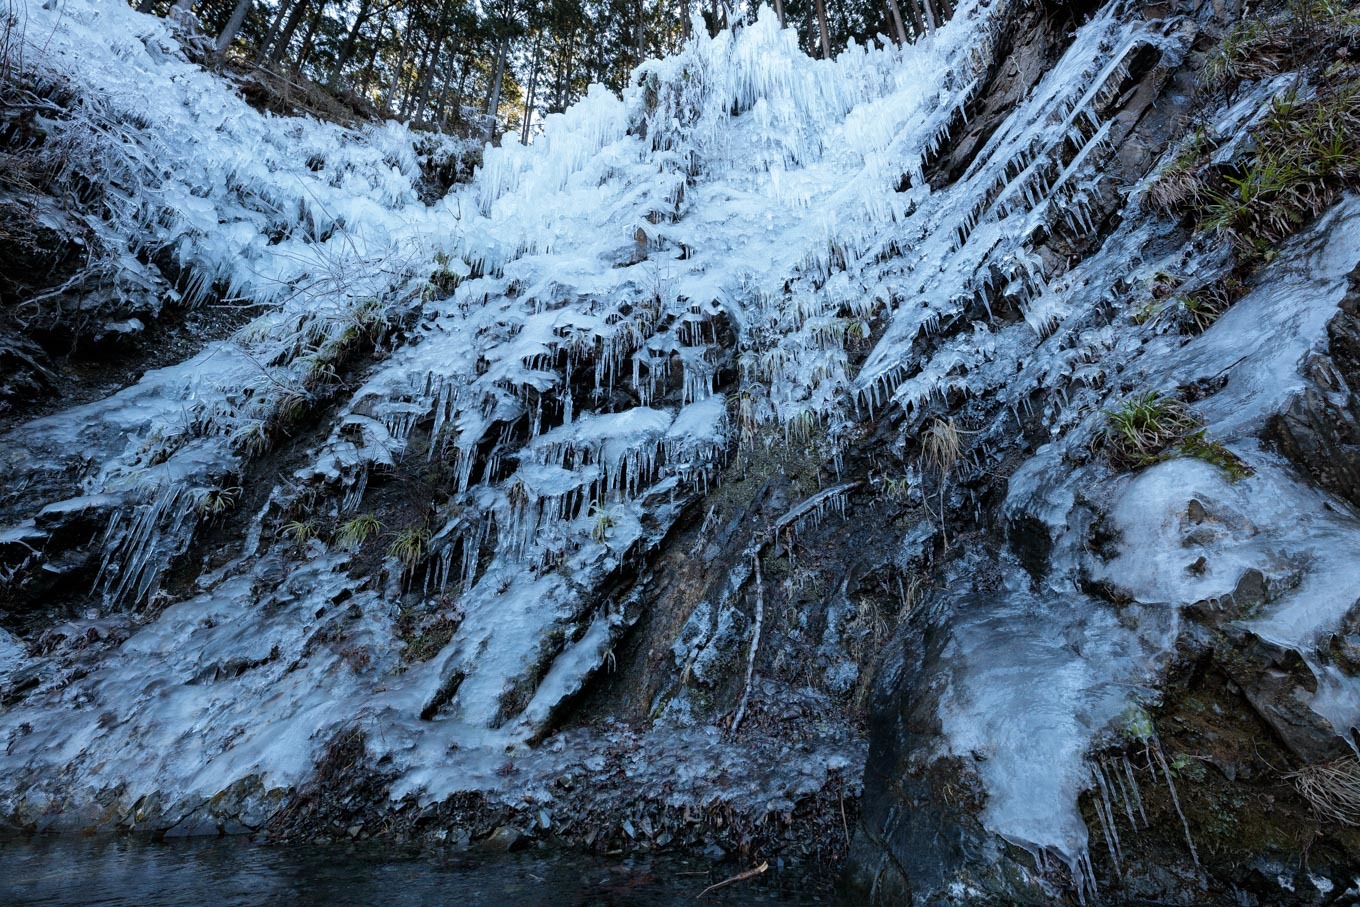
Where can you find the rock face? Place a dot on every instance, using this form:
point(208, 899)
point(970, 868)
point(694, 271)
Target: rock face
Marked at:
point(1320, 430)
point(756, 429)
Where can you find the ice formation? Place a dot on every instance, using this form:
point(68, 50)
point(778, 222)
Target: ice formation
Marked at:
point(573, 322)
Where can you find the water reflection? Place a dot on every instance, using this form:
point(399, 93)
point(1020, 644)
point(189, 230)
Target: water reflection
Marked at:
point(231, 871)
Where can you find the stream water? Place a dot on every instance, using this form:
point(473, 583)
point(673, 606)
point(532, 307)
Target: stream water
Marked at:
point(230, 871)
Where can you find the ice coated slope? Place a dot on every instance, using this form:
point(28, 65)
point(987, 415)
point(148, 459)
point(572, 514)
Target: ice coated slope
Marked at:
point(741, 210)
point(570, 379)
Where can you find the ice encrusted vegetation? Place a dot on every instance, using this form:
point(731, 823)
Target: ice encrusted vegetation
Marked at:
point(586, 330)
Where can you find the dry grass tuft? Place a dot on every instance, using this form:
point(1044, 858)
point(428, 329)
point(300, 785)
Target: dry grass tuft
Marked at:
point(1251, 50)
point(941, 446)
point(1332, 789)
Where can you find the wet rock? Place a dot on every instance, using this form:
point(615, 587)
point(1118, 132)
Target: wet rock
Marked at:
point(1279, 686)
point(505, 839)
point(75, 521)
point(1320, 430)
point(1344, 646)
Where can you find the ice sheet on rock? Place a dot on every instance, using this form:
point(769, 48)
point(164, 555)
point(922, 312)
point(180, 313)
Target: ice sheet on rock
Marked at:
point(570, 670)
point(1032, 677)
point(1059, 668)
point(13, 654)
point(1305, 547)
point(1260, 343)
point(199, 698)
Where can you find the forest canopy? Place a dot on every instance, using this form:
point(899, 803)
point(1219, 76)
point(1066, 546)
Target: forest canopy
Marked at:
point(484, 68)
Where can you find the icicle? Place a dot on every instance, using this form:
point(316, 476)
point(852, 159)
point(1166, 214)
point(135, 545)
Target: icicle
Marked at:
point(1156, 749)
point(1105, 811)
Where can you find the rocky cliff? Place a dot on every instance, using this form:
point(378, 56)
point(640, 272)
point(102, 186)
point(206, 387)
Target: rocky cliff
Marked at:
point(941, 460)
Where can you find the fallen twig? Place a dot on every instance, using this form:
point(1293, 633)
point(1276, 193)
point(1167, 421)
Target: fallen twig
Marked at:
point(739, 877)
point(755, 645)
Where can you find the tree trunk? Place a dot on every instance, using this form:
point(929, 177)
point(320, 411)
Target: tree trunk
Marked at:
point(929, 12)
point(494, 103)
point(272, 34)
point(233, 26)
point(639, 33)
point(351, 41)
point(280, 46)
point(441, 111)
point(895, 14)
point(427, 76)
point(779, 11)
point(396, 75)
point(529, 95)
point(422, 62)
point(821, 25)
point(369, 70)
point(441, 106)
point(309, 36)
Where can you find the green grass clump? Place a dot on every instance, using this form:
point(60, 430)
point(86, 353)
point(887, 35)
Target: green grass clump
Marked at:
point(1307, 152)
point(1178, 184)
point(1202, 307)
point(1147, 429)
point(1335, 17)
point(444, 280)
point(300, 531)
point(1135, 724)
point(429, 641)
point(251, 438)
point(1147, 312)
point(1299, 157)
point(410, 546)
point(357, 531)
point(218, 501)
point(603, 524)
point(1143, 426)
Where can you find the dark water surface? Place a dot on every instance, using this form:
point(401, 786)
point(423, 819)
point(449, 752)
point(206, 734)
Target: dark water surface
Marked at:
point(233, 871)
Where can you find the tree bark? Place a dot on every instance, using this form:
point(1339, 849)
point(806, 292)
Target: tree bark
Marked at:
point(821, 25)
point(280, 47)
point(895, 13)
point(309, 36)
point(917, 28)
point(396, 74)
point(427, 75)
point(639, 34)
point(929, 12)
point(233, 26)
point(272, 34)
point(494, 102)
point(529, 95)
point(779, 11)
point(422, 62)
point(369, 70)
point(351, 41)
